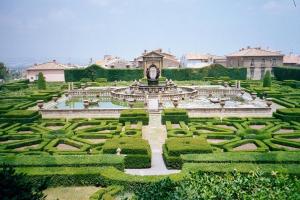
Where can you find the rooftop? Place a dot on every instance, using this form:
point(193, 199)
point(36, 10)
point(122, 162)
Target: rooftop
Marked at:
point(49, 65)
point(257, 51)
point(291, 59)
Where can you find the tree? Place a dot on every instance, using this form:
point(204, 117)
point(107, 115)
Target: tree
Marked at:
point(4, 74)
point(41, 82)
point(267, 79)
point(17, 186)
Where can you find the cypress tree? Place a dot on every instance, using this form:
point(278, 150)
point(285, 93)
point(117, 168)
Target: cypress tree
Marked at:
point(267, 79)
point(41, 82)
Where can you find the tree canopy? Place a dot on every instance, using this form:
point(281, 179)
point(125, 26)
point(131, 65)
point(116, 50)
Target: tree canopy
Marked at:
point(17, 186)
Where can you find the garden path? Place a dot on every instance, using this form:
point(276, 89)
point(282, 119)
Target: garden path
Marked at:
point(156, 135)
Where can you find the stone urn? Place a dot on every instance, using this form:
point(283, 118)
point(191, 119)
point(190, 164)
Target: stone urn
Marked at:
point(54, 98)
point(175, 102)
point(242, 92)
point(118, 151)
point(210, 95)
point(226, 84)
point(40, 103)
point(82, 85)
point(67, 94)
point(97, 95)
point(130, 102)
point(86, 104)
point(254, 95)
point(222, 103)
point(269, 102)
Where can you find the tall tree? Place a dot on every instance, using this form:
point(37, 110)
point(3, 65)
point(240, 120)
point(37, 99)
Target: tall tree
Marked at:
point(4, 74)
point(41, 82)
point(267, 79)
point(17, 186)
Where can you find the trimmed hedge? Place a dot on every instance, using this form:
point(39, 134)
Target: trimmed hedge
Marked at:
point(21, 116)
point(286, 73)
point(288, 114)
point(243, 167)
point(63, 161)
point(174, 147)
point(134, 116)
point(137, 151)
point(94, 72)
point(243, 157)
point(174, 115)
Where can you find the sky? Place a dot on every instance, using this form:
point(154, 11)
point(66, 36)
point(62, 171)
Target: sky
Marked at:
point(86, 29)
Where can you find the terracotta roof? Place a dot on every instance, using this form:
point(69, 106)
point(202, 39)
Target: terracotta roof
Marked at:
point(196, 56)
point(291, 59)
point(254, 52)
point(48, 65)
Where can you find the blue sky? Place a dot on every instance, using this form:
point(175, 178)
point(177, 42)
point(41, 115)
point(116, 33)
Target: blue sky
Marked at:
point(92, 28)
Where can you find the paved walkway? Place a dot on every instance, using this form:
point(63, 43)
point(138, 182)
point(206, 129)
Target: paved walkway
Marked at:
point(156, 135)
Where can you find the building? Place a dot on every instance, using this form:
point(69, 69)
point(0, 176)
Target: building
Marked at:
point(112, 62)
point(291, 60)
point(52, 71)
point(193, 60)
point(169, 60)
point(256, 60)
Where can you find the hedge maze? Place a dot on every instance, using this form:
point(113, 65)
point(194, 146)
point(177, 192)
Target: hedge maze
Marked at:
point(78, 137)
point(237, 135)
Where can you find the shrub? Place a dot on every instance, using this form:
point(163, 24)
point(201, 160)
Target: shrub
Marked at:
point(18, 186)
point(22, 116)
point(174, 116)
point(255, 185)
point(63, 161)
point(288, 114)
point(41, 82)
point(134, 116)
point(267, 79)
point(286, 73)
point(137, 151)
point(244, 157)
point(174, 147)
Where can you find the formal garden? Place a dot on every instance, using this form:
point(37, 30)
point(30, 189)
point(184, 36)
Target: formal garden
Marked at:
point(141, 153)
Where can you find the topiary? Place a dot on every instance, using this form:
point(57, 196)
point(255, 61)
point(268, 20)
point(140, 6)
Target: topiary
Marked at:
point(267, 79)
point(41, 82)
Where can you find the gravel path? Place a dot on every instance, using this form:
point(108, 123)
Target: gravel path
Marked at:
point(156, 135)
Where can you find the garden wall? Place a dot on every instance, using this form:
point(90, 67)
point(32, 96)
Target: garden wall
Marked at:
point(94, 71)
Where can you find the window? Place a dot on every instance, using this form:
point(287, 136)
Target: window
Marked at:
point(252, 62)
point(263, 62)
point(262, 72)
point(251, 72)
point(273, 61)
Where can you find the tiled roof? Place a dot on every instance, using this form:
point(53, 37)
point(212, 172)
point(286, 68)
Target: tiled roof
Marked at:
point(291, 59)
point(254, 52)
point(48, 65)
point(196, 56)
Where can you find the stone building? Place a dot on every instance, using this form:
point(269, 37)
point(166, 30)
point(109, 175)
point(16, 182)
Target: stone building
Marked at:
point(169, 60)
point(256, 60)
point(291, 60)
point(112, 62)
point(193, 60)
point(52, 71)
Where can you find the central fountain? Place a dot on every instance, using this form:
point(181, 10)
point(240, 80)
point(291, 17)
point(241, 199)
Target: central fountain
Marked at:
point(153, 84)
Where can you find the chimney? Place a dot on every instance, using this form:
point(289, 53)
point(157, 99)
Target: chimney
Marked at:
point(159, 50)
point(145, 51)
